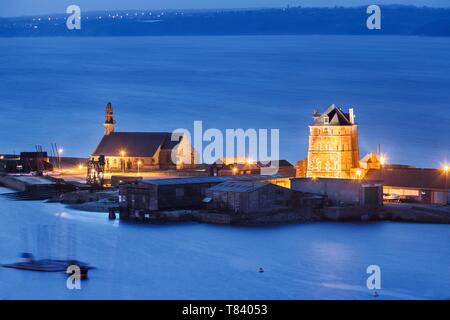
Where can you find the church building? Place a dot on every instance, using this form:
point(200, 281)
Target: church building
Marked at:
point(333, 144)
point(141, 151)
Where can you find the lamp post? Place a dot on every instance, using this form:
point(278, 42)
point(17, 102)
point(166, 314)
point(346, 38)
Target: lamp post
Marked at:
point(122, 160)
point(446, 172)
point(383, 160)
point(139, 163)
point(359, 174)
point(60, 153)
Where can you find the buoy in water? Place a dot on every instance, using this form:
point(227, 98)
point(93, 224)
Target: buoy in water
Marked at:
point(261, 270)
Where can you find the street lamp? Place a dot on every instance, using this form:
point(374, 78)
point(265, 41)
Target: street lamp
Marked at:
point(446, 170)
point(359, 173)
point(122, 160)
point(235, 170)
point(139, 163)
point(383, 161)
point(60, 153)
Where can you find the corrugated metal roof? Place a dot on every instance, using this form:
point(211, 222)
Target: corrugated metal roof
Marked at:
point(134, 144)
point(211, 179)
point(190, 180)
point(238, 186)
point(258, 177)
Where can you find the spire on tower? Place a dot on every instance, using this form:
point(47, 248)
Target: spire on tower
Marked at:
point(109, 119)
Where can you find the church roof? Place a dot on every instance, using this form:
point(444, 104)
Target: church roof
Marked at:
point(333, 116)
point(134, 144)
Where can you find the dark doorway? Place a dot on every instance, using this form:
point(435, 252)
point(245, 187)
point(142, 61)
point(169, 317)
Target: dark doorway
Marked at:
point(371, 196)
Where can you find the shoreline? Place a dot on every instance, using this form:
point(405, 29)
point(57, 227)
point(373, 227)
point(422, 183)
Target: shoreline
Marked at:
point(415, 213)
point(104, 201)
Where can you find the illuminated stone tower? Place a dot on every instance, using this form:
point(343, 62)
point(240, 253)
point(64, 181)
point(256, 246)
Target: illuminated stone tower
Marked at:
point(109, 120)
point(333, 144)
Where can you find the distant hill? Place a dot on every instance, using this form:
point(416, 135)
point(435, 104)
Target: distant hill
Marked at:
point(396, 20)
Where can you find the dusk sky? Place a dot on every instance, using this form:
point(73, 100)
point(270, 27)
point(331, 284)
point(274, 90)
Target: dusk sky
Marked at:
point(31, 7)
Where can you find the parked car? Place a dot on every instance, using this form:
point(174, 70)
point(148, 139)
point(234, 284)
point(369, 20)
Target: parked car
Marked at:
point(391, 198)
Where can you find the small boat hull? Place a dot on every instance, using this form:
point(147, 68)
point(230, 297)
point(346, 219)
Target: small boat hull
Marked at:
point(47, 265)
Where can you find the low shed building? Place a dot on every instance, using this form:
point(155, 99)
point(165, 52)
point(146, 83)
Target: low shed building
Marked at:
point(248, 197)
point(342, 191)
point(148, 195)
point(164, 194)
point(414, 184)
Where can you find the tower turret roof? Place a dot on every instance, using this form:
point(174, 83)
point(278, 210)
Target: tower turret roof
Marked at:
point(333, 116)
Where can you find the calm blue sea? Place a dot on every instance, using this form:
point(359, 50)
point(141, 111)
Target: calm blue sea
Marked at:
point(55, 89)
point(198, 261)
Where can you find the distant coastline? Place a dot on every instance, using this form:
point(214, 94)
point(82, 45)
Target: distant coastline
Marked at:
point(396, 20)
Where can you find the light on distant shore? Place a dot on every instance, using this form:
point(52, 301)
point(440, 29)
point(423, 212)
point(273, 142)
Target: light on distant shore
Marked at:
point(235, 170)
point(122, 153)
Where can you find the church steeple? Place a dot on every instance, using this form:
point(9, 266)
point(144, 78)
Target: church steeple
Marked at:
point(109, 120)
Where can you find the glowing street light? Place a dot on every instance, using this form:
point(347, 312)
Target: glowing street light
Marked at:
point(383, 160)
point(60, 152)
point(235, 170)
point(359, 173)
point(139, 163)
point(446, 169)
point(122, 154)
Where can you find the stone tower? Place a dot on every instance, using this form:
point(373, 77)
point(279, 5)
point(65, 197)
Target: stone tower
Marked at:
point(333, 144)
point(109, 120)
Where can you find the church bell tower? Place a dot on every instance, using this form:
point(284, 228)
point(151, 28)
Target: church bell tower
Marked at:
point(109, 120)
